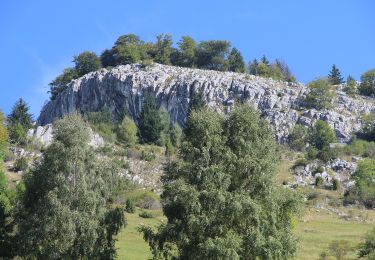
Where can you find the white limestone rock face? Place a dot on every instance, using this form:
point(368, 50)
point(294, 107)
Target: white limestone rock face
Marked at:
point(44, 134)
point(281, 103)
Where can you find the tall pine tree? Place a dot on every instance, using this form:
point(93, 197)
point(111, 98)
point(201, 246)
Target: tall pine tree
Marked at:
point(149, 125)
point(236, 63)
point(334, 76)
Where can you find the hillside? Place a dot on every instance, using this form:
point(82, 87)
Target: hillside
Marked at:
point(123, 88)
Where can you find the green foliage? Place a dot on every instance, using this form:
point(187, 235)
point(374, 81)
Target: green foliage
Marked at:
point(197, 101)
point(287, 74)
point(163, 49)
point(319, 182)
point(127, 132)
point(365, 187)
point(236, 63)
point(213, 55)
point(86, 62)
point(21, 164)
point(335, 184)
point(6, 225)
point(312, 153)
point(367, 86)
point(320, 95)
point(176, 135)
point(321, 137)
point(298, 138)
point(3, 135)
point(339, 249)
point(278, 70)
point(359, 147)
point(129, 206)
point(150, 125)
point(62, 213)
point(220, 199)
point(59, 84)
point(351, 86)
point(103, 123)
point(367, 248)
point(146, 214)
point(19, 121)
point(186, 52)
point(334, 76)
point(166, 127)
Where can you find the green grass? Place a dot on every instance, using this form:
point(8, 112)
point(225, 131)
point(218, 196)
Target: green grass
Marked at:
point(130, 244)
point(315, 230)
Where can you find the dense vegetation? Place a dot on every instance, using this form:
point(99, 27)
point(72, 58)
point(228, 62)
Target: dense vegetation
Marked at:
point(213, 55)
point(220, 200)
point(64, 210)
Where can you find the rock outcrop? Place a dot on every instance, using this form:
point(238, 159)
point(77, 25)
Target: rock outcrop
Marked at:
point(124, 87)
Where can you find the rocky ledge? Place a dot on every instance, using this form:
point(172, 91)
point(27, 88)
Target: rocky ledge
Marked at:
point(281, 103)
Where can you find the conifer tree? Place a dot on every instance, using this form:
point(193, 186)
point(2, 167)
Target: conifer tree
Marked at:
point(19, 121)
point(334, 76)
point(236, 63)
point(150, 125)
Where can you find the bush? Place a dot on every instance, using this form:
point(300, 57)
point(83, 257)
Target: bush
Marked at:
point(312, 195)
point(298, 138)
point(145, 214)
point(127, 132)
point(312, 153)
point(21, 164)
point(300, 162)
point(129, 206)
point(319, 182)
point(367, 248)
point(320, 95)
point(367, 86)
point(319, 169)
point(365, 186)
point(339, 249)
point(335, 184)
point(148, 156)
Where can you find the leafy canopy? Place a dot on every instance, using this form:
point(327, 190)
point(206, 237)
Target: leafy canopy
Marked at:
point(220, 198)
point(64, 212)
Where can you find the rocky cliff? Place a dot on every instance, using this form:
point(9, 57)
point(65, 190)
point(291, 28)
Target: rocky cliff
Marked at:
point(124, 87)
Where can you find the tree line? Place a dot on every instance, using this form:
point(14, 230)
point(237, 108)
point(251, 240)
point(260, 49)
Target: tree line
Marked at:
point(212, 55)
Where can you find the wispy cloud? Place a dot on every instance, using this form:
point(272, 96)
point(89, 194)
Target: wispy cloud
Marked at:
point(46, 73)
point(109, 37)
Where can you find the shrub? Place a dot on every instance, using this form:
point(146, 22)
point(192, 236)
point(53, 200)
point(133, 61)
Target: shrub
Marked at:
point(298, 138)
point(367, 248)
point(21, 164)
point(148, 156)
point(127, 132)
point(367, 86)
point(312, 195)
point(335, 184)
point(339, 249)
point(312, 153)
point(365, 186)
point(300, 162)
point(319, 181)
point(129, 206)
point(319, 169)
point(145, 214)
point(320, 95)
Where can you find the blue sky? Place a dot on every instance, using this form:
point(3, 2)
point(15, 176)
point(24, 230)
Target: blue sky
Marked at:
point(39, 38)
